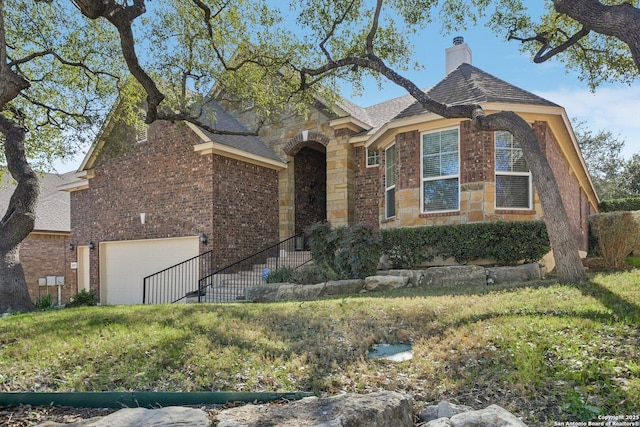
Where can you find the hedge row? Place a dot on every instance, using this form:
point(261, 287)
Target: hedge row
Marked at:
point(507, 242)
point(626, 204)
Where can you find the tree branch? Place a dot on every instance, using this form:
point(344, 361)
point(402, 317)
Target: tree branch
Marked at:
point(546, 52)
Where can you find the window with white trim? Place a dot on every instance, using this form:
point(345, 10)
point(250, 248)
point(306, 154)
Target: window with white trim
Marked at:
point(373, 158)
point(390, 181)
point(513, 178)
point(440, 171)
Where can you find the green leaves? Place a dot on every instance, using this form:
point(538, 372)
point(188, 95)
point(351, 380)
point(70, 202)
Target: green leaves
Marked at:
point(507, 242)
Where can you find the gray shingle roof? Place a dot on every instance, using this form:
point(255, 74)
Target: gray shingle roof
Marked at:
point(468, 84)
point(378, 114)
point(52, 212)
point(249, 144)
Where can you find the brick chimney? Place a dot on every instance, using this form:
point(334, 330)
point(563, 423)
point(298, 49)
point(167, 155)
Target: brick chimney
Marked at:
point(458, 54)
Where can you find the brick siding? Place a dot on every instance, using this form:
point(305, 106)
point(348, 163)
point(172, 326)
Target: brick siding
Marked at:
point(368, 189)
point(44, 255)
point(176, 188)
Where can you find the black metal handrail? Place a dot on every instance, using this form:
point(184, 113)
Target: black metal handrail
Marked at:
point(173, 282)
point(229, 283)
point(194, 279)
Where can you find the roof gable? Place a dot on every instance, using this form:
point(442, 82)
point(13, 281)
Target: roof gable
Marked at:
point(248, 143)
point(470, 85)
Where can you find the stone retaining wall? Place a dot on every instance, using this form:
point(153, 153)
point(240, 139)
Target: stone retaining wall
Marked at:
point(385, 280)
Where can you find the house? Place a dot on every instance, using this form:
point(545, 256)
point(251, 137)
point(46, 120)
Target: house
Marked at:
point(178, 191)
point(45, 252)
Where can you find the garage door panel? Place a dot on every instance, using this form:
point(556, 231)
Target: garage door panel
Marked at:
point(125, 264)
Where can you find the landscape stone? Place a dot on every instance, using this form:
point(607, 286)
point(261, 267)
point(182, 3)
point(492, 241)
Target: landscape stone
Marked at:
point(380, 409)
point(491, 416)
point(342, 287)
point(521, 273)
point(290, 292)
point(385, 283)
point(171, 416)
point(264, 293)
point(443, 409)
point(415, 276)
point(439, 422)
point(458, 275)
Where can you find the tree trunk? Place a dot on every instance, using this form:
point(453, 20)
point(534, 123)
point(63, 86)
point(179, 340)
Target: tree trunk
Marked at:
point(565, 249)
point(18, 221)
point(14, 294)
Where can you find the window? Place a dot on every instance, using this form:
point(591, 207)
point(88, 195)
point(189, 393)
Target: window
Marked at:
point(513, 178)
point(390, 182)
point(440, 171)
point(373, 159)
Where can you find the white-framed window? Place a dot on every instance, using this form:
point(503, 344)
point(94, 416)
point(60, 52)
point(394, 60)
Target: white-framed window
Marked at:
point(440, 153)
point(513, 178)
point(373, 158)
point(141, 129)
point(390, 182)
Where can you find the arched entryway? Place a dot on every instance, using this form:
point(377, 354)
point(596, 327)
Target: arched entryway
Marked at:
point(310, 176)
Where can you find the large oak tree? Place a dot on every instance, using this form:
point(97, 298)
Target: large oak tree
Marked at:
point(57, 58)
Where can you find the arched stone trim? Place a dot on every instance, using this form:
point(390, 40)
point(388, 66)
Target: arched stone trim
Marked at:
point(298, 142)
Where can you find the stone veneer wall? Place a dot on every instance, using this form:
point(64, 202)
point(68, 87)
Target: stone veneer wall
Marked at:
point(43, 254)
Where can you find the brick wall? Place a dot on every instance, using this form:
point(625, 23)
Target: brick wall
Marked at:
point(175, 187)
point(477, 154)
point(368, 190)
point(245, 209)
point(477, 188)
point(44, 255)
point(573, 196)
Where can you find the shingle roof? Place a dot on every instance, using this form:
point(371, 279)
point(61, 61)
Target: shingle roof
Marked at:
point(378, 114)
point(249, 144)
point(468, 84)
point(52, 212)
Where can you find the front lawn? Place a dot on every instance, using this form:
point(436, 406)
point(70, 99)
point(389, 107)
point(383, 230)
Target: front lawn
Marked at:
point(545, 351)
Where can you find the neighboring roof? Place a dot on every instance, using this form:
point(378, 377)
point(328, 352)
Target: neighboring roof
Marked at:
point(470, 85)
point(52, 212)
point(249, 144)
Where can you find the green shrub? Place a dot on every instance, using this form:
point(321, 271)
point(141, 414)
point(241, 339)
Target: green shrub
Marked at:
point(312, 274)
point(626, 204)
point(283, 275)
point(616, 234)
point(508, 242)
point(44, 302)
point(349, 252)
point(322, 243)
point(84, 298)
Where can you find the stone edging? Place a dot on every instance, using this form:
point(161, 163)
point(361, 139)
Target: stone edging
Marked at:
point(385, 280)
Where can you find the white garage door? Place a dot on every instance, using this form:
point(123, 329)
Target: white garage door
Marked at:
point(124, 265)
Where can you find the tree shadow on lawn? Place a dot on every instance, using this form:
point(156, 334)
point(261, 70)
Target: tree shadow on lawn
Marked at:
point(621, 308)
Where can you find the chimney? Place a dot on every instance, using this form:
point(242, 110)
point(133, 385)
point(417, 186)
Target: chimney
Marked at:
point(458, 54)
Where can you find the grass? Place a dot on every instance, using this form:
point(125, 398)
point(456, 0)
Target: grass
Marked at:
point(545, 351)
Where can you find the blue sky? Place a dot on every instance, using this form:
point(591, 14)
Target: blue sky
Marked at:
point(613, 107)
